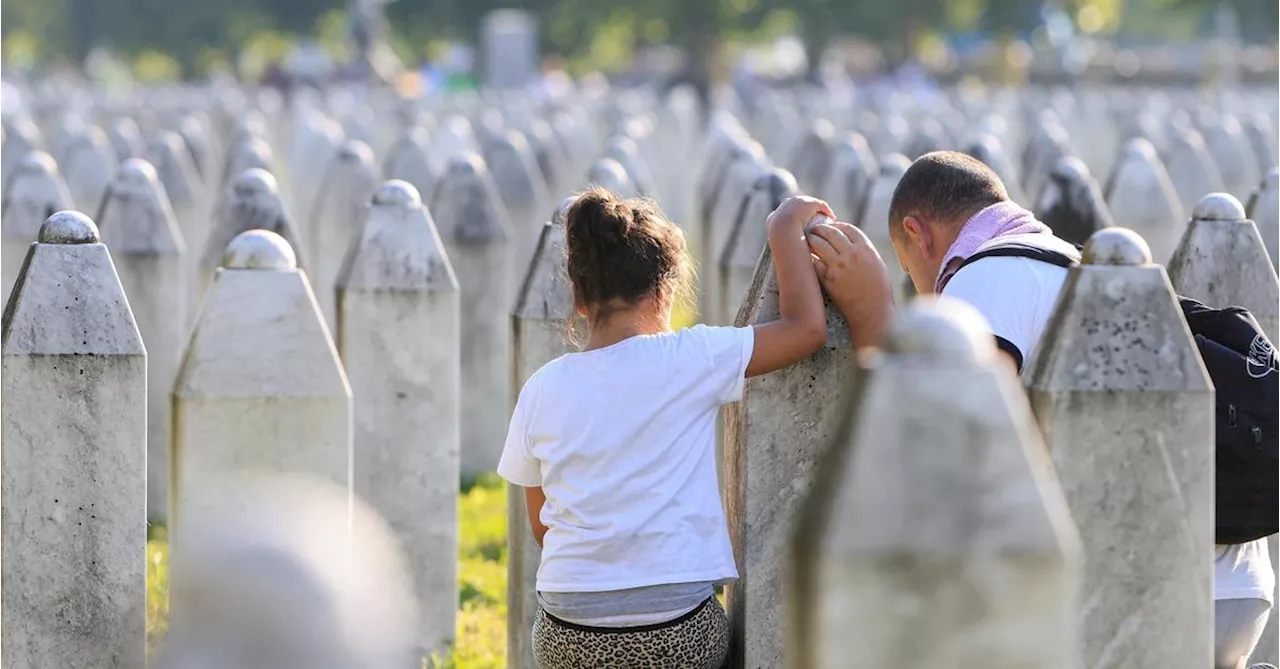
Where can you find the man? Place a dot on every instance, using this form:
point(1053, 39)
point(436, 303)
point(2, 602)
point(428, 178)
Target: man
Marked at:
point(956, 232)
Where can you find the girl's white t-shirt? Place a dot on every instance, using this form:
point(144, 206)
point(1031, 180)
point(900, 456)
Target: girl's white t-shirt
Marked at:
point(622, 441)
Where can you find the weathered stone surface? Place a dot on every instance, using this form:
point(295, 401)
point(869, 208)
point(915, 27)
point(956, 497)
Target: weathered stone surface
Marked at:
point(341, 205)
point(853, 170)
point(252, 203)
point(1222, 261)
point(1140, 197)
point(1191, 168)
point(935, 534)
point(735, 267)
point(540, 327)
point(811, 157)
point(272, 576)
point(138, 226)
point(398, 335)
point(125, 138)
point(250, 153)
point(408, 160)
point(1126, 409)
point(204, 153)
point(88, 163)
point(510, 41)
point(1048, 144)
point(316, 145)
point(1261, 140)
point(875, 215)
point(609, 174)
point(181, 181)
point(1071, 202)
point(990, 150)
point(523, 190)
point(1231, 153)
point(260, 387)
point(1264, 209)
point(741, 173)
point(624, 150)
point(74, 493)
point(477, 237)
point(773, 438)
point(21, 137)
point(35, 191)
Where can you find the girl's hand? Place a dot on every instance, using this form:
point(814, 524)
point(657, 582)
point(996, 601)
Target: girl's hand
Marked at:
point(853, 275)
point(795, 212)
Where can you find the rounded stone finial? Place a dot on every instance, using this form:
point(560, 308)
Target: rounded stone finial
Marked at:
point(1116, 246)
point(69, 227)
point(355, 151)
point(467, 164)
point(622, 145)
point(38, 162)
point(1271, 182)
point(259, 249)
point(607, 172)
point(255, 181)
point(558, 217)
point(1071, 168)
point(894, 164)
point(1218, 207)
point(778, 183)
point(137, 172)
point(1139, 147)
point(941, 329)
point(398, 193)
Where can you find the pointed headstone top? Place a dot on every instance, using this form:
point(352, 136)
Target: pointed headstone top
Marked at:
point(610, 174)
point(561, 211)
point(259, 249)
point(1139, 147)
point(398, 193)
point(941, 330)
point(255, 181)
point(1219, 207)
point(69, 227)
point(467, 164)
point(355, 151)
point(894, 165)
point(137, 173)
point(1116, 246)
point(39, 162)
point(1272, 181)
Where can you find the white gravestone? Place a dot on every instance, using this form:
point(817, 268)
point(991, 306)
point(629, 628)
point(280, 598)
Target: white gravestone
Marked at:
point(35, 191)
point(339, 211)
point(1140, 197)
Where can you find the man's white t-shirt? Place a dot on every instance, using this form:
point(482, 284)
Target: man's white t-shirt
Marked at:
point(622, 441)
point(1016, 295)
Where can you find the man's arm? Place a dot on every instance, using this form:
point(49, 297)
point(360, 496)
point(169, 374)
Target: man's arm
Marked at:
point(856, 279)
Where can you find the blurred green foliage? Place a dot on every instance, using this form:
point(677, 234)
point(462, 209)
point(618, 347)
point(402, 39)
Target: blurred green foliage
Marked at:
point(196, 36)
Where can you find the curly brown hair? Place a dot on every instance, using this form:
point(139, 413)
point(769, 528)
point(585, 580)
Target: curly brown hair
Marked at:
point(623, 251)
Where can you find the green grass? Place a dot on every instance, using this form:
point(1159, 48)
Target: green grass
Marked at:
point(482, 580)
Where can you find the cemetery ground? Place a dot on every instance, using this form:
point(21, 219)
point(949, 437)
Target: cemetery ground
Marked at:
point(482, 580)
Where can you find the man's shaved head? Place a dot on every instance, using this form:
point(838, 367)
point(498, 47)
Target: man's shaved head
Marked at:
point(944, 188)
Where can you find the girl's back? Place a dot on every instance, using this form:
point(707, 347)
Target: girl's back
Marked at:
point(621, 439)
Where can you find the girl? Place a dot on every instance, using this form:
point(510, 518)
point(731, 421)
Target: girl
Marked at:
point(614, 444)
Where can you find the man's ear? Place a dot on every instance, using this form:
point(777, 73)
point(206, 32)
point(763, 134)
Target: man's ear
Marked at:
point(918, 234)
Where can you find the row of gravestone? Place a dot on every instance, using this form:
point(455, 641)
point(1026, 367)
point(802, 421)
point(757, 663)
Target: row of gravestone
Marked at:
point(604, 172)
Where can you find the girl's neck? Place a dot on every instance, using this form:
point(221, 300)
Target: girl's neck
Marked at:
point(646, 317)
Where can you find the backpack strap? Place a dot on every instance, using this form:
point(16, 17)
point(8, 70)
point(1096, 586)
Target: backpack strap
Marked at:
point(1021, 251)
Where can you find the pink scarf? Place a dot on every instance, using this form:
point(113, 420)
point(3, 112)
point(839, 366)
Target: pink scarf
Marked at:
point(997, 220)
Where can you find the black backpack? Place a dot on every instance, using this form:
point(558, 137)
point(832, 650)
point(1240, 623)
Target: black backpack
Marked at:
point(1246, 375)
point(1242, 363)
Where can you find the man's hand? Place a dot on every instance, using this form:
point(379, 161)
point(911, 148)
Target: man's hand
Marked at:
point(853, 275)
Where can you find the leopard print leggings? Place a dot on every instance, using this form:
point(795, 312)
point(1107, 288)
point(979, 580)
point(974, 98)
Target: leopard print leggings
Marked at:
point(697, 640)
